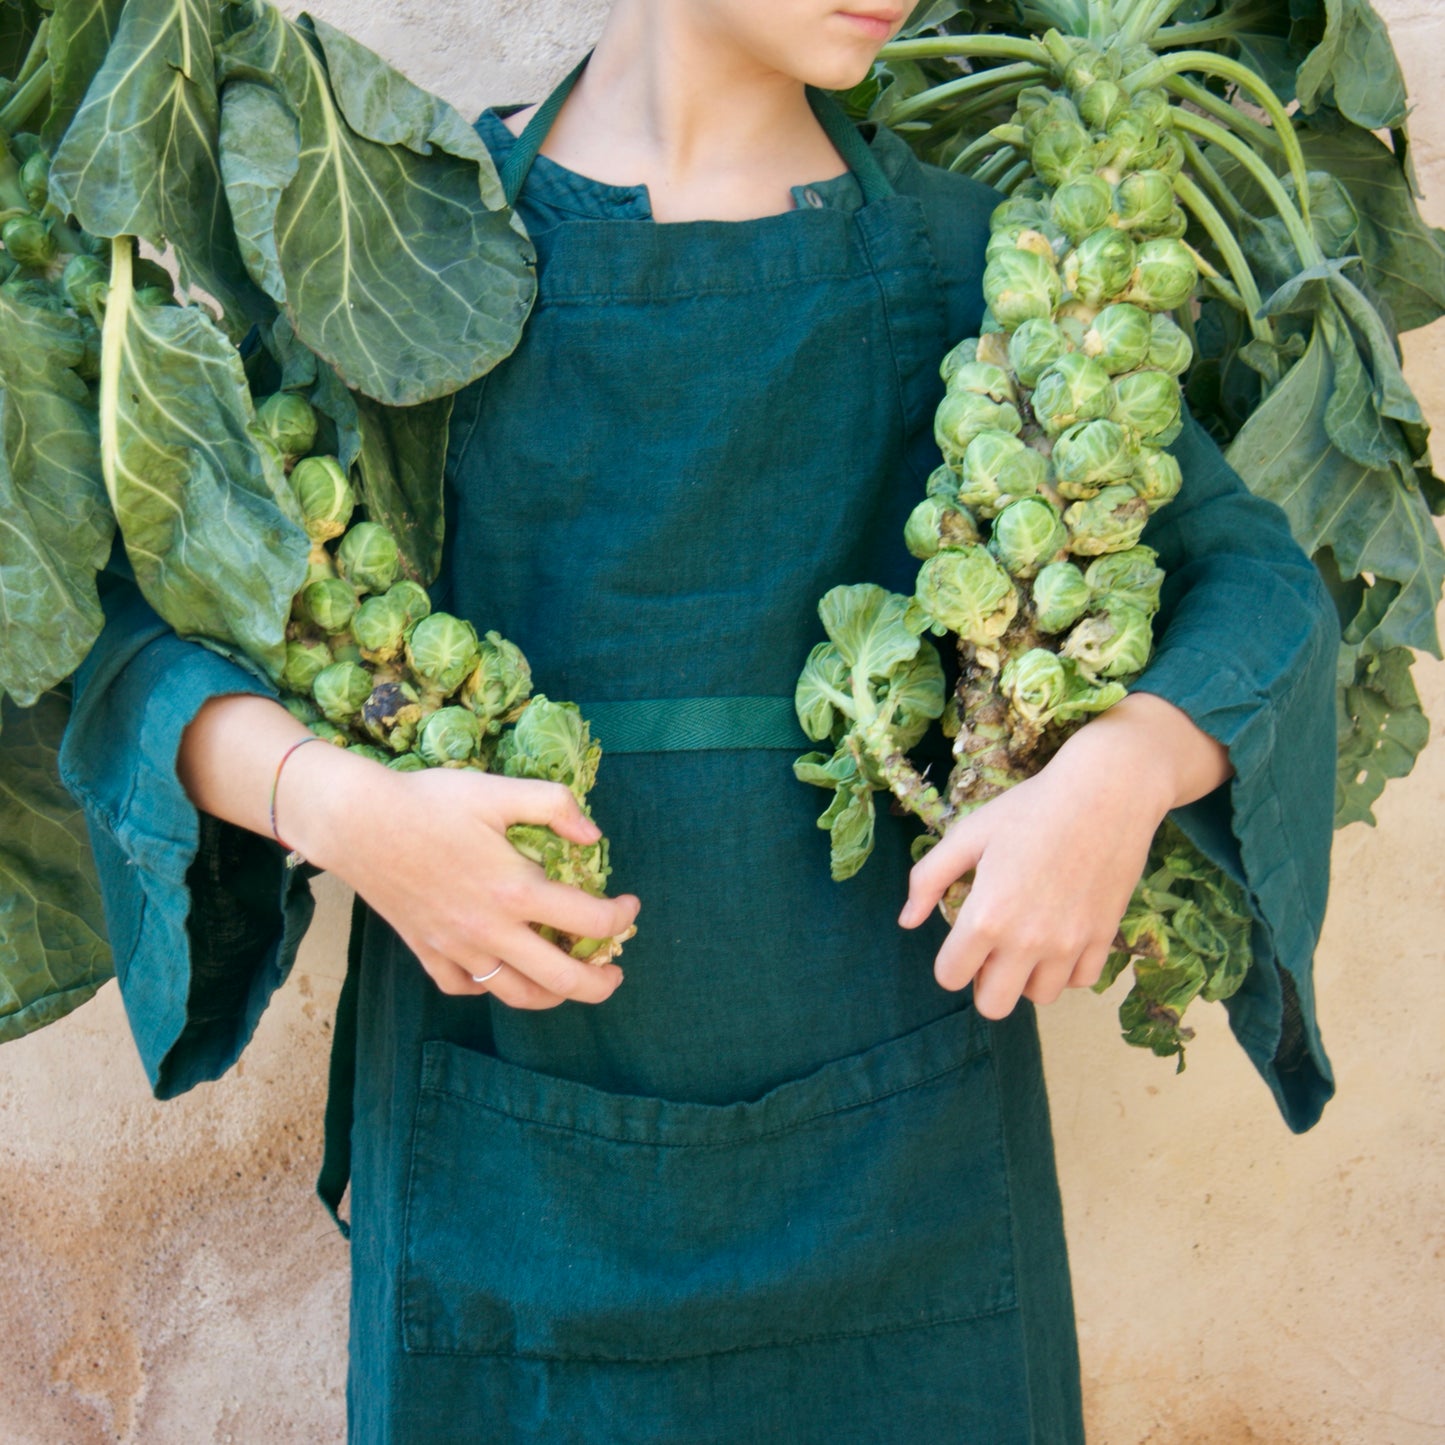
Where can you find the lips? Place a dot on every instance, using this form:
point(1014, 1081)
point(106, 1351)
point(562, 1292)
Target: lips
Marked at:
point(877, 23)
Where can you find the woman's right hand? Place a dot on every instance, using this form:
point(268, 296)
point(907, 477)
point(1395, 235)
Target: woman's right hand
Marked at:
point(427, 850)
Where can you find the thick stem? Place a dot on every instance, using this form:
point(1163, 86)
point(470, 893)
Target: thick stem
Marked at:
point(37, 54)
point(875, 744)
point(970, 84)
point(985, 145)
point(1003, 159)
point(1013, 177)
point(26, 101)
point(967, 47)
point(1204, 32)
point(1295, 223)
point(1260, 136)
point(1206, 62)
point(1223, 197)
point(112, 349)
point(1229, 249)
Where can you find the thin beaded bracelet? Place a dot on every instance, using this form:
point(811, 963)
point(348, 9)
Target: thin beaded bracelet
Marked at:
point(293, 857)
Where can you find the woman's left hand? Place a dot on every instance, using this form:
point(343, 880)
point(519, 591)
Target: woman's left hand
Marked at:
point(1056, 858)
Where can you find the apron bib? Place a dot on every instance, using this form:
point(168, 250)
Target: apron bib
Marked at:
point(769, 1190)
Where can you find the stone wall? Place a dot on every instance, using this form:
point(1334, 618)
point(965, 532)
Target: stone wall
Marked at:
point(171, 1279)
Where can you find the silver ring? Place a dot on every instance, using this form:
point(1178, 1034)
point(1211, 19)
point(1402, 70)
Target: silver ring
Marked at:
point(483, 977)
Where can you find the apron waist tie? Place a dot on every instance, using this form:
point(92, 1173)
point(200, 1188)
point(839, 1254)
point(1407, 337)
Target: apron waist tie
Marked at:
point(696, 724)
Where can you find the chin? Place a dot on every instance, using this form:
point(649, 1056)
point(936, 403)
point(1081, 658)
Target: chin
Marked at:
point(836, 73)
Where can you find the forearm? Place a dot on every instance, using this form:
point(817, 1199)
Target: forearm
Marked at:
point(228, 759)
point(1163, 753)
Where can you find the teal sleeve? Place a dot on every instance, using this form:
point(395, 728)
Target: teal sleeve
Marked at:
point(204, 918)
point(1247, 643)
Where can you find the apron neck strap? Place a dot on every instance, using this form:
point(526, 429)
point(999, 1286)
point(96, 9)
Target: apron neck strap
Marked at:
point(839, 129)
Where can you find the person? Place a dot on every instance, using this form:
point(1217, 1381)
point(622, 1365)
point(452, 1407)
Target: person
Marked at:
point(793, 1180)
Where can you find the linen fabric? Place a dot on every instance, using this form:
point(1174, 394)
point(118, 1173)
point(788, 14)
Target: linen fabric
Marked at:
point(781, 1186)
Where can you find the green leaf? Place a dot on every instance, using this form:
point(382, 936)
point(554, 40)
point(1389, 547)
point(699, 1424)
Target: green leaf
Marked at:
point(822, 699)
point(1373, 519)
point(53, 952)
point(55, 520)
point(823, 771)
point(208, 518)
point(376, 215)
point(1404, 258)
point(81, 32)
point(140, 157)
point(402, 461)
point(1354, 68)
point(850, 830)
point(867, 626)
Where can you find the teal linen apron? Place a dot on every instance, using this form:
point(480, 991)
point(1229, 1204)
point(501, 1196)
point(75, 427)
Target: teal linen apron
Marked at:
point(781, 1187)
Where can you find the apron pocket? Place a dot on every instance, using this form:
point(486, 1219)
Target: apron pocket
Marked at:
point(552, 1220)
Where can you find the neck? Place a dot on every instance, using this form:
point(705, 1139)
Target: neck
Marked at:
point(673, 103)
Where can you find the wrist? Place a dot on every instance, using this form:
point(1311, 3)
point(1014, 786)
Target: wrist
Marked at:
point(321, 793)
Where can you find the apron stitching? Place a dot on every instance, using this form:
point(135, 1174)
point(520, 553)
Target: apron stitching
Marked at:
point(887, 308)
point(790, 1342)
point(974, 1053)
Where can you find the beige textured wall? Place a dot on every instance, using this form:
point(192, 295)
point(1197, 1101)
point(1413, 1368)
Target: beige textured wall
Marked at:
point(171, 1279)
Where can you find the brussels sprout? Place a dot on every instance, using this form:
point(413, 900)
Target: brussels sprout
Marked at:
point(1081, 206)
point(340, 691)
point(330, 603)
point(1147, 404)
point(979, 378)
point(413, 598)
point(1088, 65)
point(1026, 534)
point(441, 650)
point(1152, 105)
point(1090, 455)
point(391, 714)
point(1035, 684)
point(1110, 522)
point(1060, 596)
point(1018, 213)
point(1101, 103)
point(290, 422)
point(1062, 148)
point(1131, 577)
point(1111, 644)
point(330, 733)
point(965, 351)
point(966, 592)
point(1085, 694)
point(28, 239)
point(344, 649)
point(84, 282)
point(380, 627)
point(1169, 348)
point(1042, 243)
point(996, 469)
point(1167, 157)
point(551, 741)
point(1144, 201)
point(325, 497)
point(1039, 106)
point(407, 763)
point(1164, 275)
point(500, 682)
point(368, 557)
point(35, 180)
point(936, 522)
point(963, 415)
point(1119, 338)
point(1075, 388)
point(1099, 268)
point(304, 661)
point(1018, 285)
point(943, 481)
point(1157, 477)
point(993, 349)
point(450, 737)
point(1034, 347)
point(1127, 141)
